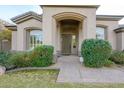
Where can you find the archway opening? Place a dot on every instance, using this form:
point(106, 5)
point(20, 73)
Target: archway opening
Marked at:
point(69, 31)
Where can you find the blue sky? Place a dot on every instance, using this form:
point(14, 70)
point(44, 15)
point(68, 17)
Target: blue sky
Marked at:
point(9, 11)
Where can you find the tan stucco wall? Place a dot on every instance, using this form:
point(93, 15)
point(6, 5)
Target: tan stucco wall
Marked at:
point(123, 41)
point(14, 40)
point(49, 23)
point(120, 41)
point(111, 35)
point(20, 44)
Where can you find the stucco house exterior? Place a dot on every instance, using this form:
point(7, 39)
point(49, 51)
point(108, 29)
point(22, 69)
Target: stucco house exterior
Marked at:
point(65, 27)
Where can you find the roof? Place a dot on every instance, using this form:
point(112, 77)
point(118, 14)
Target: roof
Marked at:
point(109, 17)
point(26, 16)
point(85, 6)
point(3, 23)
point(120, 29)
point(121, 25)
point(11, 27)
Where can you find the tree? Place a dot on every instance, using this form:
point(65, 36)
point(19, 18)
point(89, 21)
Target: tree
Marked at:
point(5, 35)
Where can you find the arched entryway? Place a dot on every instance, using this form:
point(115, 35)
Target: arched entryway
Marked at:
point(68, 32)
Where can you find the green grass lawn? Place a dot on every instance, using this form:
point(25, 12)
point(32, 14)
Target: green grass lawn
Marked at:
point(41, 79)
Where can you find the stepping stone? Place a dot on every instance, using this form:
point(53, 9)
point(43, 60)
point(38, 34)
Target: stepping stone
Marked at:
point(2, 70)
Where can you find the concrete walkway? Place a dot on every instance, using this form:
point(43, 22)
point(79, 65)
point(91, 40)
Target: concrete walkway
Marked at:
point(72, 71)
point(69, 69)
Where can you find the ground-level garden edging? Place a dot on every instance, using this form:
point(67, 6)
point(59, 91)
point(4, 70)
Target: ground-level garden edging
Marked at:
point(32, 68)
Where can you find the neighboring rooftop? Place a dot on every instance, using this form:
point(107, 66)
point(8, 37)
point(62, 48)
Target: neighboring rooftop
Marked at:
point(109, 17)
point(3, 23)
point(121, 26)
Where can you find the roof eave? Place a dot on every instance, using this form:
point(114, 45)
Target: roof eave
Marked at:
point(26, 16)
point(109, 17)
point(118, 30)
point(85, 6)
point(11, 27)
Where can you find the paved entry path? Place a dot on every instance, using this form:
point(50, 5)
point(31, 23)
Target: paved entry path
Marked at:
point(69, 69)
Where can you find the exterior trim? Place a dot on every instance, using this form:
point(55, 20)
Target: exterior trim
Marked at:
point(82, 6)
point(109, 17)
point(32, 28)
point(28, 30)
point(69, 15)
point(119, 30)
point(12, 27)
point(26, 16)
point(100, 25)
point(106, 30)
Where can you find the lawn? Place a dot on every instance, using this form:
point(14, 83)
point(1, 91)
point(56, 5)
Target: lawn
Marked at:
point(41, 79)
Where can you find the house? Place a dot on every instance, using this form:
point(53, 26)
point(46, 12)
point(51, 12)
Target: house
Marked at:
point(65, 27)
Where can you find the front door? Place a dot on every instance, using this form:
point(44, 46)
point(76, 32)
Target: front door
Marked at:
point(66, 44)
point(69, 37)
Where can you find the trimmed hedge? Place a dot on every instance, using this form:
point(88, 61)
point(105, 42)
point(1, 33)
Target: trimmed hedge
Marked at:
point(42, 56)
point(117, 57)
point(95, 52)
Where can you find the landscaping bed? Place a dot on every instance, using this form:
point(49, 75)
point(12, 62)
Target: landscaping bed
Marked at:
point(117, 57)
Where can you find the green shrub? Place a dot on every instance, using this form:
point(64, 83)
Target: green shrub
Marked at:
point(42, 56)
point(20, 59)
point(117, 57)
point(95, 52)
point(4, 56)
point(108, 63)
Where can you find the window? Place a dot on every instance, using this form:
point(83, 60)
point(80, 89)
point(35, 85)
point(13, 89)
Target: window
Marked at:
point(100, 32)
point(36, 38)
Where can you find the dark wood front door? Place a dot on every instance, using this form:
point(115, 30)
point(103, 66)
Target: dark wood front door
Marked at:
point(66, 44)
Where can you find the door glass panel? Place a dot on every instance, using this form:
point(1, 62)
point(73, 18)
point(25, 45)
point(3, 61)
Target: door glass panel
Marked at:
point(74, 41)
